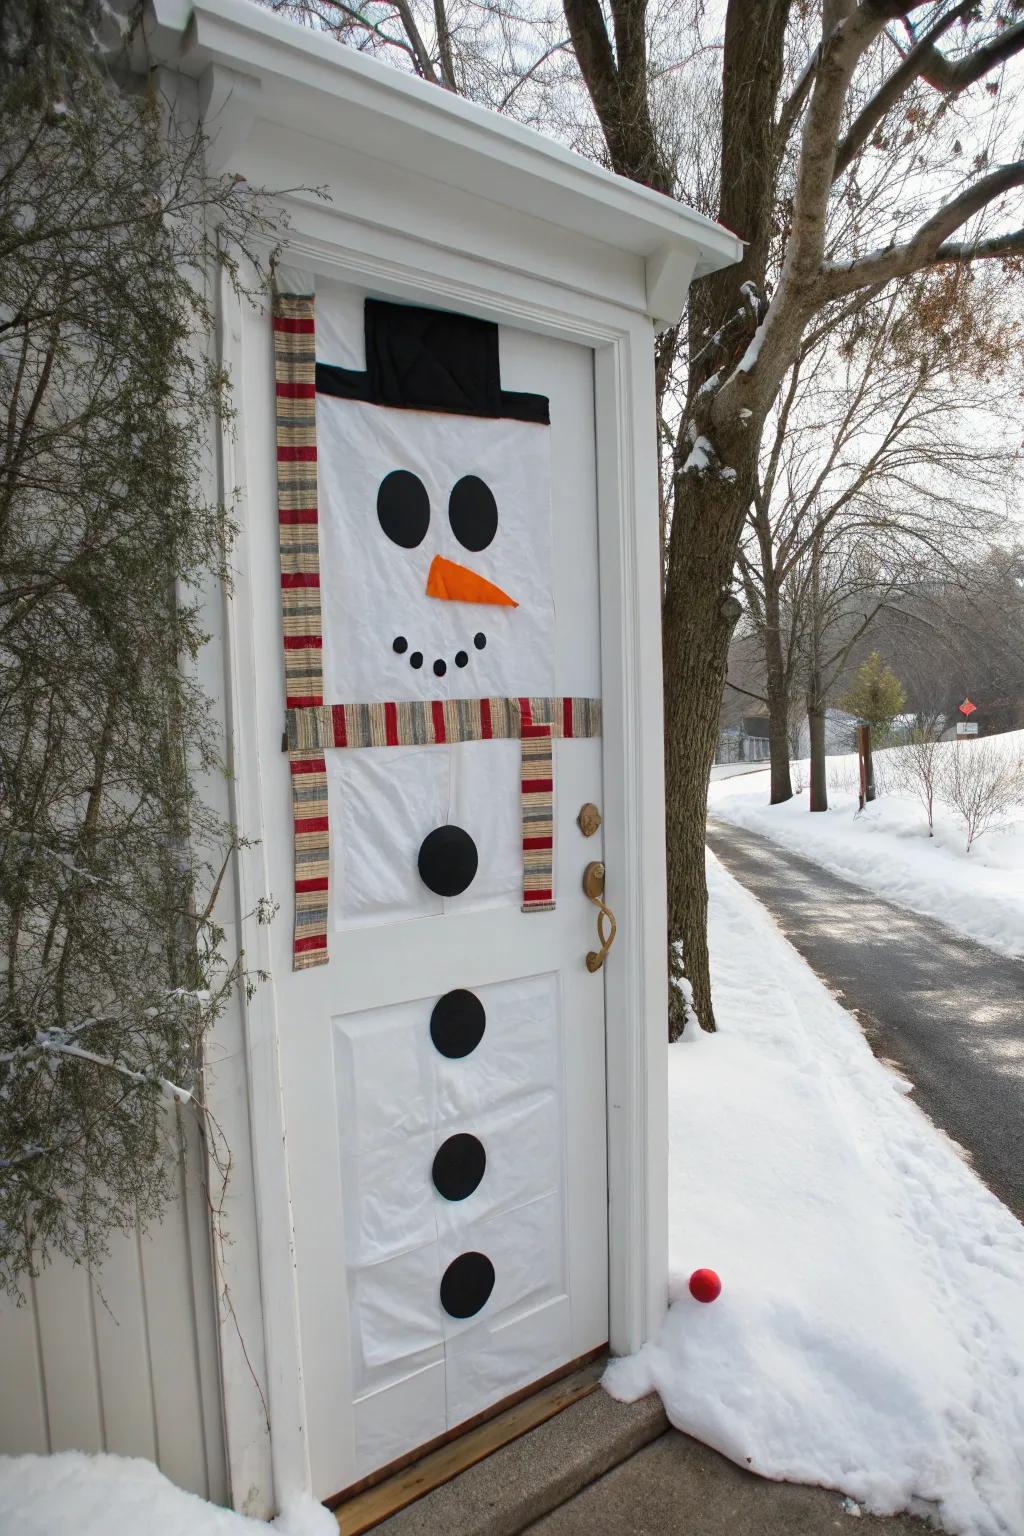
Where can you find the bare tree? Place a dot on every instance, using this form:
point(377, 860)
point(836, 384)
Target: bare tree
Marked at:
point(845, 143)
point(914, 768)
point(983, 782)
point(897, 426)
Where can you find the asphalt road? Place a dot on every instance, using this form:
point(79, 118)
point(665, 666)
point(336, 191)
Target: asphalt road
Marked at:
point(947, 1012)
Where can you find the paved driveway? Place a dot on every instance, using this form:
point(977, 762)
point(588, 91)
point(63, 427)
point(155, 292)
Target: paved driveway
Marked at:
point(949, 1013)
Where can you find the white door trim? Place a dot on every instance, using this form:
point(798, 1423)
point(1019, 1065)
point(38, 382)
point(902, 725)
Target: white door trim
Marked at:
point(635, 977)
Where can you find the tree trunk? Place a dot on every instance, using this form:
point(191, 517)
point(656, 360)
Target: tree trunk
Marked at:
point(816, 728)
point(699, 617)
point(869, 767)
point(777, 691)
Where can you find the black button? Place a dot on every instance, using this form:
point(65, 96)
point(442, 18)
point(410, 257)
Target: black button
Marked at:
point(457, 1023)
point(458, 1166)
point(448, 861)
point(466, 1284)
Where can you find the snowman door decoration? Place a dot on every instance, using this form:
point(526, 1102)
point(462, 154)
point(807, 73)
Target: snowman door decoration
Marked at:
point(414, 511)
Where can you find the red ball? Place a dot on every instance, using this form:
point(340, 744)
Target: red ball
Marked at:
point(705, 1285)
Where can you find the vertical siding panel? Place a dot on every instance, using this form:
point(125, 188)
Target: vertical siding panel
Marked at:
point(67, 1339)
point(123, 1350)
point(22, 1404)
point(170, 1313)
point(197, 1216)
point(127, 1360)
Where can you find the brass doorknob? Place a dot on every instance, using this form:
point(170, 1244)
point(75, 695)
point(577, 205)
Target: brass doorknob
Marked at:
point(593, 887)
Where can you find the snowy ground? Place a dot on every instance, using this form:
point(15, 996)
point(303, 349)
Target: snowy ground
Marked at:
point(887, 847)
point(870, 1331)
point(75, 1495)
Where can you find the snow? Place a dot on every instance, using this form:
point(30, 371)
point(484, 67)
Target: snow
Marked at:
point(71, 1494)
point(887, 848)
point(700, 459)
point(870, 1332)
point(753, 352)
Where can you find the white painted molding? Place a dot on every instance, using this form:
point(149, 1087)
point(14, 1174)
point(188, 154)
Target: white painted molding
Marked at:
point(316, 85)
point(669, 272)
point(275, 1256)
point(227, 106)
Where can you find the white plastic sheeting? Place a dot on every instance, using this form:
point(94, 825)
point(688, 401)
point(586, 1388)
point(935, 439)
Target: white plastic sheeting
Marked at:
point(399, 1099)
point(383, 803)
point(373, 590)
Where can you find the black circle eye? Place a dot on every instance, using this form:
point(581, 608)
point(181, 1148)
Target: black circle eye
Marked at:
point(403, 508)
point(473, 513)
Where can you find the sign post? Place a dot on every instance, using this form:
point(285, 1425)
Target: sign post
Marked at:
point(967, 726)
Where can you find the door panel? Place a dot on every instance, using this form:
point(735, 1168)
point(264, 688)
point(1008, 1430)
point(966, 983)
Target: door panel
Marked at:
point(370, 1099)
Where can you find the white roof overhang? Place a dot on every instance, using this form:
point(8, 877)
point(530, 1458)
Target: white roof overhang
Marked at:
point(306, 81)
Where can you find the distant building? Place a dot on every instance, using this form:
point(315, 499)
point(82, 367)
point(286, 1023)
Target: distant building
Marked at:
point(744, 742)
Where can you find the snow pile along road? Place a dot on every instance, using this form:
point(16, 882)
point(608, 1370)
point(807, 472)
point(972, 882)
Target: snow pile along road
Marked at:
point(887, 848)
point(870, 1332)
point(75, 1495)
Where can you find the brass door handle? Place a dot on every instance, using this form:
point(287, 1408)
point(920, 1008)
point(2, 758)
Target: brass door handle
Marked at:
point(593, 887)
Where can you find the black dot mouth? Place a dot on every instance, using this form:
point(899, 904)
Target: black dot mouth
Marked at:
point(400, 646)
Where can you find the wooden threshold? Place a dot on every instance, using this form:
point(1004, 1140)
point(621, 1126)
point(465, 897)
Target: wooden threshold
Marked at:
point(464, 1447)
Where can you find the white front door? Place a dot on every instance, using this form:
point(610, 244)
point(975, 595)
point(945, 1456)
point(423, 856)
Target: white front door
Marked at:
point(444, 1070)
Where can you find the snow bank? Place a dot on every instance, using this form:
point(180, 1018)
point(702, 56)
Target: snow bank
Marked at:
point(75, 1495)
point(870, 1332)
point(887, 848)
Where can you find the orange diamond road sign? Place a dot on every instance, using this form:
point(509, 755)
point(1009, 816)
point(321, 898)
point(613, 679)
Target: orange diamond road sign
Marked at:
point(967, 708)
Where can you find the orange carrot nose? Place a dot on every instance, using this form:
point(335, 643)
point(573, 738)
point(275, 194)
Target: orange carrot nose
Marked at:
point(458, 584)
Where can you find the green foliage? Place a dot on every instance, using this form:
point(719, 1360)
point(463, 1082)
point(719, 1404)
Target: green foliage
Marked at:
point(111, 964)
point(876, 696)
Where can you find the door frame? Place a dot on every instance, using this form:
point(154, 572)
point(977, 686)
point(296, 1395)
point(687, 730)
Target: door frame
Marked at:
point(418, 270)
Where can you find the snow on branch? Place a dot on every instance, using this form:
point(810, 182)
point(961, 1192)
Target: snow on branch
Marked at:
point(59, 1042)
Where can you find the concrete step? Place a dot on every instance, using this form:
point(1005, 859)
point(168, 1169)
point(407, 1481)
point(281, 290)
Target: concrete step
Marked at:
point(527, 1479)
point(677, 1487)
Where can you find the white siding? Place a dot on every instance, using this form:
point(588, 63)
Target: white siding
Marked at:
point(125, 1359)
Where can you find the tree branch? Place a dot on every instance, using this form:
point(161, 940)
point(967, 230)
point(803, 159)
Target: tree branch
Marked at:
point(930, 244)
point(913, 65)
point(949, 77)
point(444, 45)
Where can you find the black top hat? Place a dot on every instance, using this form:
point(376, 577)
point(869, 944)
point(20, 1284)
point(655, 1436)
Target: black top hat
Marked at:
point(430, 360)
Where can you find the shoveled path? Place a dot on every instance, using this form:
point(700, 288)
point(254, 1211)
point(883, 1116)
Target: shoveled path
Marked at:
point(947, 1012)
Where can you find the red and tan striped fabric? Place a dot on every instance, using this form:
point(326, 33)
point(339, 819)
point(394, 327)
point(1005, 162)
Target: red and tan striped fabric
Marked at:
point(536, 792)
point(295, 389)
point(433, 722)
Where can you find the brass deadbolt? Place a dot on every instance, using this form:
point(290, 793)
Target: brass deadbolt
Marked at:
point(589, 819)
